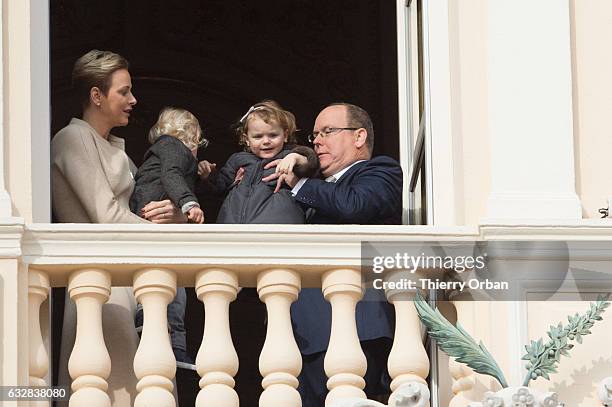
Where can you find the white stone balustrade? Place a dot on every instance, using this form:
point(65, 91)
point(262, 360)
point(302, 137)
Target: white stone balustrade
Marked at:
point(280, 361)
point(216, 257)
point(89, 364)
point(408, 362)
point(345, 362)
point(154, 363)
point(217, 361)
point(38, 291)
point(216, 260)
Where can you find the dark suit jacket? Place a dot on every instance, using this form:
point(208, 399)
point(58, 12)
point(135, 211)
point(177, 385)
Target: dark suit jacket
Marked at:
point(169, 170)
point(370, 192)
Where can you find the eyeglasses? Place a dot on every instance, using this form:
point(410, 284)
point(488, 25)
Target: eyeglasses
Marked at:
point(327, 131)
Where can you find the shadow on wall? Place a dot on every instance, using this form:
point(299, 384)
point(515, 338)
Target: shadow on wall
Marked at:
point(596, 373)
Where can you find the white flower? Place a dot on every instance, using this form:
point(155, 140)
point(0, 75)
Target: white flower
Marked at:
point(523, 398)
point(491, 400)
point(551, 401)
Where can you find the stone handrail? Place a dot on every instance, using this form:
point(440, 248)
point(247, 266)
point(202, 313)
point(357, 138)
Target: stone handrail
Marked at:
point(217, 260)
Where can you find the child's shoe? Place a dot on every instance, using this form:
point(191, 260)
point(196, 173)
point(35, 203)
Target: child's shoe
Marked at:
point(183, 360)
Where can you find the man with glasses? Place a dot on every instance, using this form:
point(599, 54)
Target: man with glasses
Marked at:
point(356, 189)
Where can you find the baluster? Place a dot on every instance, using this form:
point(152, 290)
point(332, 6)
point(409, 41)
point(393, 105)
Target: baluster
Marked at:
point(38, 291)
point(464, 378)
point(345, 363)
point(217, 361)
point(280, 361)
point(89, 364)
point(154, 363)
point(408, 362)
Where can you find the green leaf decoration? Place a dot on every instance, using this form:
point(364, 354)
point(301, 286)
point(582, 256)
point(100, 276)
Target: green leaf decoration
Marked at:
point(544, 357)
point(456, 342)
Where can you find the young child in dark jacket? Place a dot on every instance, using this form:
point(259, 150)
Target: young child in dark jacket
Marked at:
point(267, 132)
point(169, 171)
point(170, 167)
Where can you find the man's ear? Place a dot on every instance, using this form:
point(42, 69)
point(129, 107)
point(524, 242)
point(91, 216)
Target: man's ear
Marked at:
point(246, 140)
point(360, 137)
point(95, 95)
point(286, 135)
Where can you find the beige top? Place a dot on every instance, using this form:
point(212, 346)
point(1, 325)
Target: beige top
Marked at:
point(92, 177)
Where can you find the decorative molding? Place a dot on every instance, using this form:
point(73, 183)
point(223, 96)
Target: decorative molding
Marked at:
point(60, 248)
point(522, 229)
point(228, 244)
point(313, 249)
point(519, 397)
point(11, 233)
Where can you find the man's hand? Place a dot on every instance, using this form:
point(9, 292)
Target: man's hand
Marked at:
point(163, 212)
point(285, 166)
point(284, 170)
point(195, 215)
point(205, 168)
point(290, 179)
point(239, 175)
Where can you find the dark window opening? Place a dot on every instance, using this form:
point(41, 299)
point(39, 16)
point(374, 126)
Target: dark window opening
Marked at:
point(216, 58)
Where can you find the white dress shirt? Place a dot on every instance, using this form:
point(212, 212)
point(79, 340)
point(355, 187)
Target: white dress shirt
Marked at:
point(331, 178)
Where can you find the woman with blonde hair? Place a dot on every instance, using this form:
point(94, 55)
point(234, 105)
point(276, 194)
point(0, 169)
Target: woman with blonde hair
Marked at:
point(92, 181)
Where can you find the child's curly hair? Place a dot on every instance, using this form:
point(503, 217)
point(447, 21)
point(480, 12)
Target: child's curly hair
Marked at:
point(270, 112)
point(178, 123)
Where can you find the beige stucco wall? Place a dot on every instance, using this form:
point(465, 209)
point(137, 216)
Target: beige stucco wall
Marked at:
point(592, 89)
point(468, 60)
point(591, 24)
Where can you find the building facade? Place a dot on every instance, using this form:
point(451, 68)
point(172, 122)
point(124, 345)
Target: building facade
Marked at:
point(512, 101)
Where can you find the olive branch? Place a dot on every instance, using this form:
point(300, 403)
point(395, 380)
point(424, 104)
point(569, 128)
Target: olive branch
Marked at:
point(544, 357)
point(456, 342)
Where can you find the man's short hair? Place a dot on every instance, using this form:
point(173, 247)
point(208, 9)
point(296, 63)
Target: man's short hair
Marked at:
point(358, 117)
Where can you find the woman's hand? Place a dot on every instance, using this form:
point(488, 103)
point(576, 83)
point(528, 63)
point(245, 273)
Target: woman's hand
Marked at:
point(163, 212)
point(205, 168)
point(195, 215)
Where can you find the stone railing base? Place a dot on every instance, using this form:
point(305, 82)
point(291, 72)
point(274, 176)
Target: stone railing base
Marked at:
point(519, 396)
point(411, 394)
